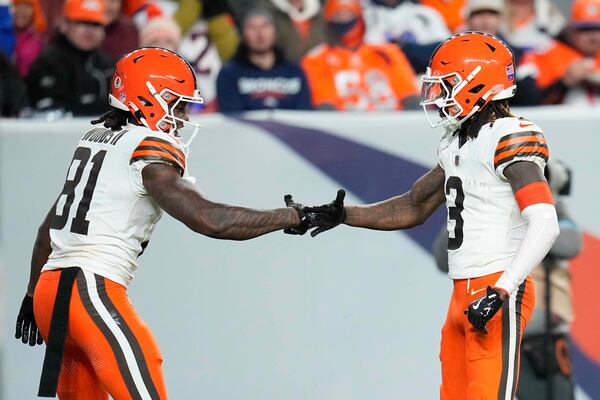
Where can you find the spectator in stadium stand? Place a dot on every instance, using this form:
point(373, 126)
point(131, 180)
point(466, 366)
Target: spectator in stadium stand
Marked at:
point(349, 74)
point(221, 30)
point(7, 36)
point(161, 32)
point(121, 33)
point(13, 93)
point(451, 10)
point(402, 21)
point(73, 74)
point(568, 72)
point(29, 25)
point(210, 38)
point(53, 11)
point(531, 24)
point(259, 76)
point(299, 24)
point(482, 16)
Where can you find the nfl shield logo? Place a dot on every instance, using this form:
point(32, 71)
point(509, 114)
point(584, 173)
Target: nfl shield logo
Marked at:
point(510, 73)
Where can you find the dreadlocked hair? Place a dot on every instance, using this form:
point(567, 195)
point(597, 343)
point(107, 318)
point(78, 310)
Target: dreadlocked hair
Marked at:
point(490, 113)
point(114, 119)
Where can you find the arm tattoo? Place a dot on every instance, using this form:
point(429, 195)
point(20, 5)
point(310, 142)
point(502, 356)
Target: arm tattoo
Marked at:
point(245, 223)
point(184, 202)
point(405, 211)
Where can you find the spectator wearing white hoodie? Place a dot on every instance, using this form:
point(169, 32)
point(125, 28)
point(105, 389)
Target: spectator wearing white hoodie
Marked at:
point(403, 21)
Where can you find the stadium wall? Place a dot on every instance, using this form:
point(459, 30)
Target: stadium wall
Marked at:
point(352, 314)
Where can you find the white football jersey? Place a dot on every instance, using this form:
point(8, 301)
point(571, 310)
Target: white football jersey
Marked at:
point(104, 216)
point(485, 226)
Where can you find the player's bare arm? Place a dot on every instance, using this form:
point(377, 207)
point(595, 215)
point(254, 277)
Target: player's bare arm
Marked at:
point(26, 328)
point(41, 251)
point(404, 211)
point(523, 173)
point(182, 200)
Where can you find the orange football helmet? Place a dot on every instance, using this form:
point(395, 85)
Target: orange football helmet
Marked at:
point(151, 83)
point(466, 72)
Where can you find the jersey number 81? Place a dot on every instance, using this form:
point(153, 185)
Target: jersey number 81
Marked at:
point(65, 201)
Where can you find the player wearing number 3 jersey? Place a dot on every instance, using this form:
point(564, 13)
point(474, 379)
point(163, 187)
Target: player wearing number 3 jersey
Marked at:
point(120, 179)
point(501, 217)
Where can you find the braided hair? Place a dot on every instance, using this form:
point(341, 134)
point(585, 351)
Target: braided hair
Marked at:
point(114, 119)
point(490, 113)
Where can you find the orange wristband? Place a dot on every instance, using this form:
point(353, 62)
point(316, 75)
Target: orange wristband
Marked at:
point(534, 193)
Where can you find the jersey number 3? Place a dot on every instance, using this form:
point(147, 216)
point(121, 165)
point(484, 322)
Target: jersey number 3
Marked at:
point(65, 201)
point(454, 184)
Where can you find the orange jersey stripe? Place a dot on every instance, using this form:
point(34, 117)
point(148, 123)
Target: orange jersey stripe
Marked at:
point(521, 139)
point(156, 153)
point(508, 153)
point(534, 193)
point(150, 142)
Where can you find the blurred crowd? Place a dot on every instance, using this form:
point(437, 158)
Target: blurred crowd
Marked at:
point(57, 56)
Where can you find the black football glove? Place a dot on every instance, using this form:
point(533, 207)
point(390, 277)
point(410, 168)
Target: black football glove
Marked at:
point(482, 310)
point(27, 329)
point(305, 219)
point(327, 216)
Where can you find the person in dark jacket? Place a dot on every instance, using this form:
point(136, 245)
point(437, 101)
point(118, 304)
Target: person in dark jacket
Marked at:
point(72, 74)
point(259, 76)
point(13, 93)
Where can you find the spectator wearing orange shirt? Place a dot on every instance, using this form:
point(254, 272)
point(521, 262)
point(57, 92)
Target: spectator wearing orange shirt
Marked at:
point(349, 74)
point(453, 12)
point(569, 71)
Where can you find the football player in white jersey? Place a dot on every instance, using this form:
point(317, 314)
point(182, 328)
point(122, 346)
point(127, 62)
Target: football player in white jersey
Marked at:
point(120, 179)
point(501, 216)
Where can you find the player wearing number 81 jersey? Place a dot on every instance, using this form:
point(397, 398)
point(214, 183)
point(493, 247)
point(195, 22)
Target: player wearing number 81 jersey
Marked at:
point(120, 179)
point(106, 172)
point(501, 217)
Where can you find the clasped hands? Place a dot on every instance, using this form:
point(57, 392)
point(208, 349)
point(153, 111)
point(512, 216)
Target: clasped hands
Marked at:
point(321, 218)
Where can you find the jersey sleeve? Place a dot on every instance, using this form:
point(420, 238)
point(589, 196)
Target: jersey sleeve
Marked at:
point(154, 150)
point(520, 146)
